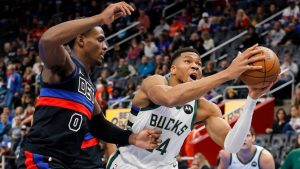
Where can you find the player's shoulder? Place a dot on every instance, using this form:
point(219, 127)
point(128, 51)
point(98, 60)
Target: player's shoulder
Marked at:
point(224, 154)
point(155, 79)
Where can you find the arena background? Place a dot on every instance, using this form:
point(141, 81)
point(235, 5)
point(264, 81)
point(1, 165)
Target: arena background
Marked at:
point(141, 44)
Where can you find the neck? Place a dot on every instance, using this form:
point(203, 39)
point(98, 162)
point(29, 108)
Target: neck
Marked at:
point(81, 58)
point(173, 81)
point(246, 154)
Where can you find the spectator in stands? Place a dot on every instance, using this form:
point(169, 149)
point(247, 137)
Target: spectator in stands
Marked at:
point(28, 75)
point(296, 99)
point(175, 27)
point(15, 131)
point(13, 85)
point(184, 17)
point(291, 36)
point(195, 16)
point(273, 9)
point(150, 48)
point(123, 71)
point(288, 63)
point(208, 42)
point(144, 20)
point(279, 122)
point(196, 43)
point(275, 35)
point(204, 23)
point(294, 124)
point(162, 44)
point(178, 41)
point(146, 67)
point(133, 52)
point(129, 89)
point(290, 12)
point(200, 162)
point(251, 37)
point(249, 156)
point(242, 20)
point(5, 150)
point(209, 69)
point(163, 25)
point(18, 144)
point(259, 16)
point(5, 126)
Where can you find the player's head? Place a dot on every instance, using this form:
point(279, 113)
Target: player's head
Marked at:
point(185, 65)
point(91, 45)
point(250, 139)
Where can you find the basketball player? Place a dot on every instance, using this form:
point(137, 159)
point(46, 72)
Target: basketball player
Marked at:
point(174, 105)
point(249, 156)
point(66, 109)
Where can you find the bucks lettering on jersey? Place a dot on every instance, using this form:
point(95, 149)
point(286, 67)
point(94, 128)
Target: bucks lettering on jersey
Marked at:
point(175, 123)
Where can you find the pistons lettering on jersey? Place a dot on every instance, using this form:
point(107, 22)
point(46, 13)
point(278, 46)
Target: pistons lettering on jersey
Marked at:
point(85, 88)
point(168, 124)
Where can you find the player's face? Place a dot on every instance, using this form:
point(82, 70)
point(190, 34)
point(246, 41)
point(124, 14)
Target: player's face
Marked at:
point(95, 45)
point(187, 67)
point(249, 141)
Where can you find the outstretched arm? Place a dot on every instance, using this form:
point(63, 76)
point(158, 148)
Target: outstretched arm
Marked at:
point(108, 132)
point(160, 93)
point(219, 130)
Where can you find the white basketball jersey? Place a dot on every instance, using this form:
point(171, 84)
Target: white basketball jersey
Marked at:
point(236, 163)
point(175, 123)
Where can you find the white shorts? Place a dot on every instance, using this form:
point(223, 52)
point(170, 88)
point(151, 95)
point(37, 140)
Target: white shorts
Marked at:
point(116, 161)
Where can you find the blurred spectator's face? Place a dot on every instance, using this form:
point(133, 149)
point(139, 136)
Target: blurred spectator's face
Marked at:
point(6, 110)
point(272, 8)
point(294, 112)
point(18, 120)
point(281, 115)
point(4, 118)
point(144, 60)
point(122, 61)
point(248, 141)
point(277, 26)
point(19, 110)
point(287, 58)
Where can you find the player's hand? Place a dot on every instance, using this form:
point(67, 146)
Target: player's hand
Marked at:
point(255, 93)
point(147, 138)
point(115, 11)
point(241, 63)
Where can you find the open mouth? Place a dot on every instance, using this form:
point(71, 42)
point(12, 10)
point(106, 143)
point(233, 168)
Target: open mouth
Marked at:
point(193, 76)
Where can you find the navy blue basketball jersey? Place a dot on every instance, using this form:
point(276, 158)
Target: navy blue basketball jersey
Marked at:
point(61, 118)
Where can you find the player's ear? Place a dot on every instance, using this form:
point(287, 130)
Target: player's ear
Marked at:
point(80, 40)
point(173, 70)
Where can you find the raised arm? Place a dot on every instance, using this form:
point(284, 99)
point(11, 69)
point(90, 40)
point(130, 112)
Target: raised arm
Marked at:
point(224, 159)
point(51, 48)
point(157, 90)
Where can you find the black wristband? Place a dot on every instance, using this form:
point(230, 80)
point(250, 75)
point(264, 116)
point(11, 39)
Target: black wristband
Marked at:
point(108, 132)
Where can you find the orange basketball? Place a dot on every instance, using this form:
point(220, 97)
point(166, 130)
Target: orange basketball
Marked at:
point(268, 73)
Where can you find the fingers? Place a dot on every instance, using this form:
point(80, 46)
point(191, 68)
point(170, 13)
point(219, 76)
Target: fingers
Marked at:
point(249, 67)
point(251, 53)
point(155, 131)
point(125, 8)
point(255, 59)
point(251, 48)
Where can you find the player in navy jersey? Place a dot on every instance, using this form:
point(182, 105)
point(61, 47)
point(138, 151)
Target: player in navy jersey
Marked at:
point(66, 109)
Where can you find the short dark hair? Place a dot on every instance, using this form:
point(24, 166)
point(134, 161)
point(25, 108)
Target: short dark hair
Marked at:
point(252, 131)
point(178, 52)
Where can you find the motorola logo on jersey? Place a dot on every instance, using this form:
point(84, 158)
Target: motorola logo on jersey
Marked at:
point(253, 164)
point(188, 109)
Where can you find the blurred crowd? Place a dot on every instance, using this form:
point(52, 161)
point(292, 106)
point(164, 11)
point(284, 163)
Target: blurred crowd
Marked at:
point(200, 24)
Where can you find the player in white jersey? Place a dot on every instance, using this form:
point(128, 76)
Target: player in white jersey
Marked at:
point(250, 156)
point(174, 104)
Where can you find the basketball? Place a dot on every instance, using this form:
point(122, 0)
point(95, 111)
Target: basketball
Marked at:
point(268, 73)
